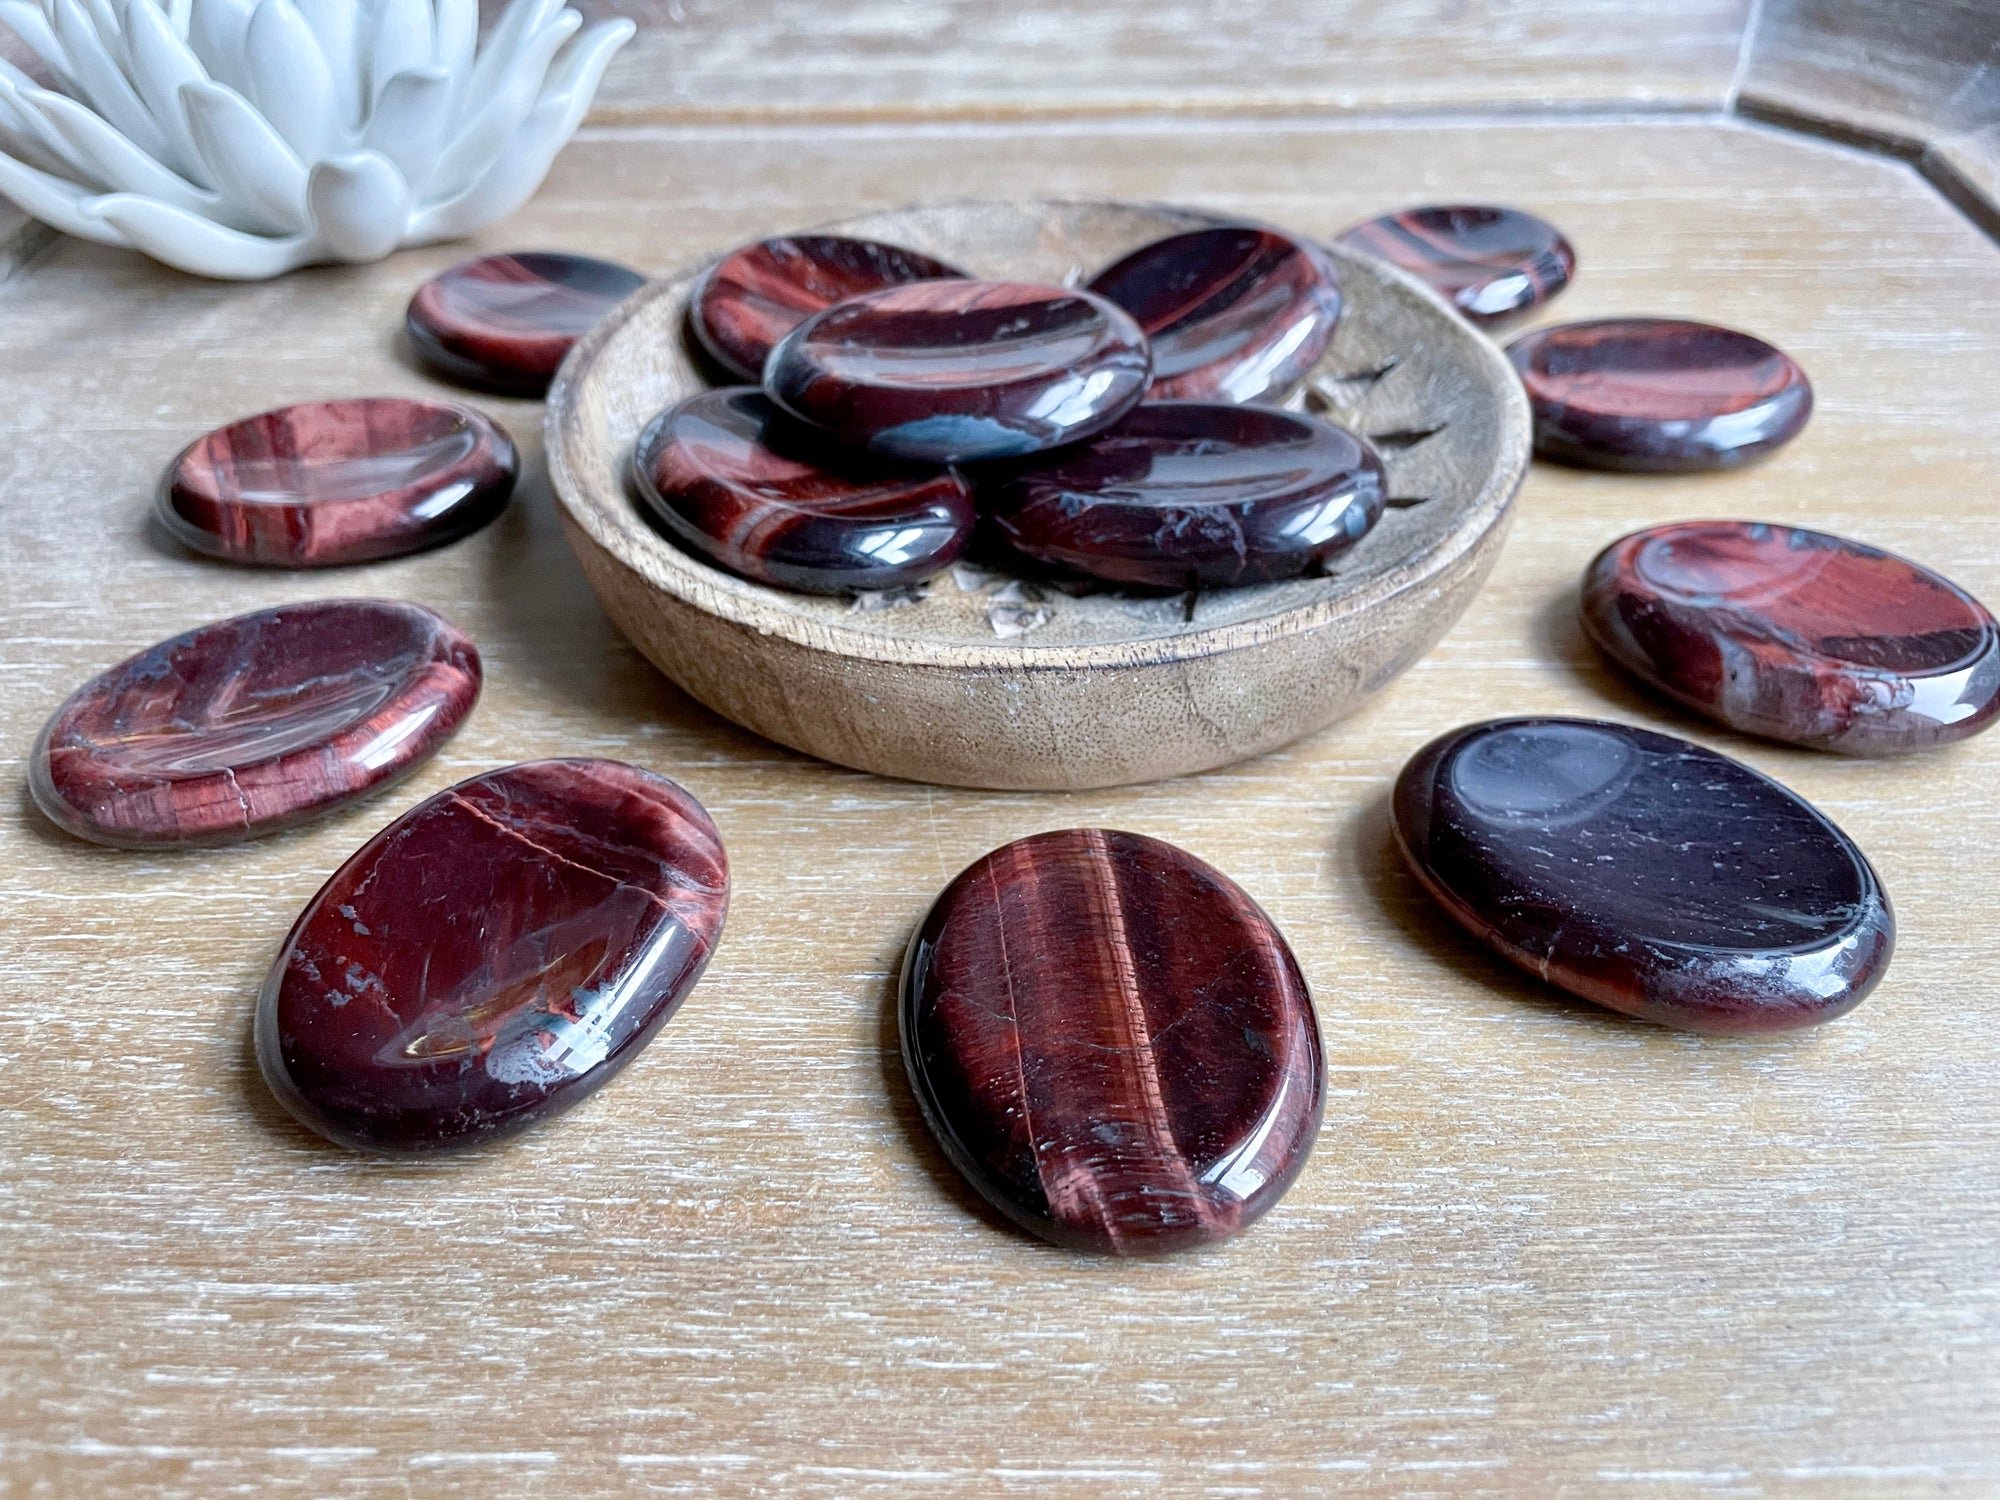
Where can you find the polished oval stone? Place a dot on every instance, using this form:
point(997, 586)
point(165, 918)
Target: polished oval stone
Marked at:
point(506, 322)
point(1192, 494)
point(948, 371)
point(1112, 1042)
point(753, 297)
point(334, 482)
point(724, 473)
point(1234, 314)
point(1797, 635)
point(1658, 395)
point(493, 956)
point(1489, 263)
point(1645, 873)
point(253, 724)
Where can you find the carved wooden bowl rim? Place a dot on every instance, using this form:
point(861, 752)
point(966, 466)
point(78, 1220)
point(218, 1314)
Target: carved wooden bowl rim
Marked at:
point(1454, 393)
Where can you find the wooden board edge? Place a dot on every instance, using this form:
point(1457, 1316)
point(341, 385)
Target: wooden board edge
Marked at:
point(1884, 134)
point(1964, 169)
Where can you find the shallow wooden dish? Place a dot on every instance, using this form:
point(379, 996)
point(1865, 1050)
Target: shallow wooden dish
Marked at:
point(1096, 690)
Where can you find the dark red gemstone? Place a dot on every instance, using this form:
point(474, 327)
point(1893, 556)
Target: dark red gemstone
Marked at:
point(1645, 873)
point(253, 724)
point(726, 475)
point(1657, 395)
point(334, 482)
point(753, 297)
point(1234, 314)
point(1112, 1042)
point(506, 322)
point(1797, 635)
point(946, 371)
point(494, 955)
point(1192, 494)
point(1489, 263)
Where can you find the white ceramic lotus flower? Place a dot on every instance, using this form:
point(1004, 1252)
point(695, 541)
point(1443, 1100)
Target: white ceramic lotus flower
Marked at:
point(245, 138)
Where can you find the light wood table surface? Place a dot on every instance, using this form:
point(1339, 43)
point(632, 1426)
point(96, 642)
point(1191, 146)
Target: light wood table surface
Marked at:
point(1539, 1251)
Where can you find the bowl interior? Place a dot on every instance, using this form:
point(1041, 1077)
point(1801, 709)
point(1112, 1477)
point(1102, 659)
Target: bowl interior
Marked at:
point(1439, 400)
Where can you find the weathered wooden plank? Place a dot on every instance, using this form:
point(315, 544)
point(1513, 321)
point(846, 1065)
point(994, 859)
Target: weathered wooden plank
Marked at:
point(758, 59)
point(761, 58)
point(1917, 70)
point(1920, 78)
point(1539, 1251)
point(1966, 169)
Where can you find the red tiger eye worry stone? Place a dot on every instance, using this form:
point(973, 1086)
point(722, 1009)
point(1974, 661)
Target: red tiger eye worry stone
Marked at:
point(719, 475)
point(751, 298)
point(1192, 494)
point(1489, 263)
point(250, 725)
point(946, 372)
point(1234, 314)
point(333, 482)
point(1112, 1042)
point(1658, 395)
point(1644, 873)
point(493, 956)
point(506, 322)
point(1797, 635)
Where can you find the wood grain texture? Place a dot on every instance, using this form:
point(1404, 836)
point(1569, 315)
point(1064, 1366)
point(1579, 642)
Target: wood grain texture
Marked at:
point(760, 59)
point(1538, 1251)
point(1915, 71)
point(765, 59)
point(1920, 78)
point(1101, 693)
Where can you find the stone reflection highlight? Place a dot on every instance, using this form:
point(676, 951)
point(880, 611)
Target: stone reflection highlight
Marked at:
point(254, 724)
point(946, 372)
point(731, 478)
point(1184, 494)
point(1645, 873)
point(329, 483)
point(1236, 313)
point(1490, 263)
point(751, 298)
point(1797, 635)
point(1658, 395)
point(1112, 1042)
point(493, 956)
point(506, 322)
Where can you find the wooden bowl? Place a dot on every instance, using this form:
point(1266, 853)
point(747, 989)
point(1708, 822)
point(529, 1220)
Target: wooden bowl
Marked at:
point(992, 683)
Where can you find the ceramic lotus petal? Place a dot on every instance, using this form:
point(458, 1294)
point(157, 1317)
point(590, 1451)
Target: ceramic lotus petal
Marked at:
point(245, 138)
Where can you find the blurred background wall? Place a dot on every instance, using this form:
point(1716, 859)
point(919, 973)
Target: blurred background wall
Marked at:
point(1917, 68)
point(862, 56)
point(1920, 78)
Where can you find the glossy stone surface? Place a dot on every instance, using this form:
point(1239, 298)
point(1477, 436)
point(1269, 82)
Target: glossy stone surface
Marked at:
point(1658, 395)
point(334, 482)
point(1645, 873)
point(1234, 314)
point(726, 475)
point(1192, 494)
point(950, 371)
point(1797, 635)
point(1112, 1042)
point(753, 297)
point(493, 956)
point(506, 322)
point(253, 724)
point(1489, 263)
